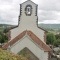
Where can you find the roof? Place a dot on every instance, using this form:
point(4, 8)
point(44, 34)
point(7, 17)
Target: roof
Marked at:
point(32, 36)
point(31, 1)
point(42, 29)
point(18, 26)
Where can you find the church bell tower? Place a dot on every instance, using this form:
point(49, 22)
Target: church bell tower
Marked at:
point(28, 13)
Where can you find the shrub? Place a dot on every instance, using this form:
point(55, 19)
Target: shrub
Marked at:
point(6, 55)
point(50, 38)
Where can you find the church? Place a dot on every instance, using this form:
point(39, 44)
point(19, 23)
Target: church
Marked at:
point(27, 35)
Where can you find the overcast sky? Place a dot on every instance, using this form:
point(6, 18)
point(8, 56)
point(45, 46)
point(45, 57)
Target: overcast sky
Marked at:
point(48, 11)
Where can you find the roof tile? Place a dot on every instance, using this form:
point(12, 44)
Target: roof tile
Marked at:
point(32, 36)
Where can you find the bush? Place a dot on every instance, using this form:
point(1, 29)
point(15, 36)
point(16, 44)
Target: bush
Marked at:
point(50, 38)
point(3, 38)
point(5, 55)
point(57, 36)
point(57, 42)
point(5, 30)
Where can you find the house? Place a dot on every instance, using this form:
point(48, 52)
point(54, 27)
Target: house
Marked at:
point(27, 34)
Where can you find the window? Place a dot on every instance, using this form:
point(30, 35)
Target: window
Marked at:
point(28, 10)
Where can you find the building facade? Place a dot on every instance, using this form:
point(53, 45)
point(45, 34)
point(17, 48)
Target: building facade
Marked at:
point(28, 34)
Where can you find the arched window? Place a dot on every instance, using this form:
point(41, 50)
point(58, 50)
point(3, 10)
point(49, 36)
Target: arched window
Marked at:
point(28, 10)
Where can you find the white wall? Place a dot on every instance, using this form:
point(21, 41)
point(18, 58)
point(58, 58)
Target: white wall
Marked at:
point(28, 23)
point(32, 46)
point(33, 8)
point(38, 32)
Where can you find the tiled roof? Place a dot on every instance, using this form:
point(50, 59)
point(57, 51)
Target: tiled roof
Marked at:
point(38, 41)
point(32, 36)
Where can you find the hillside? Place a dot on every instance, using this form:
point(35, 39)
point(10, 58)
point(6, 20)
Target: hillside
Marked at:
point(3, 26)
point(50, 26)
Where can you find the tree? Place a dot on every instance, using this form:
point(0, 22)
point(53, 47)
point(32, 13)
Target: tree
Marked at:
point(57, 42)
point(57, 36)
point(50, 38)
point(3, 38)
point(0, 38)
point(6, 30)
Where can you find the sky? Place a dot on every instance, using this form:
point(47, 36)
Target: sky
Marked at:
point(48, 11)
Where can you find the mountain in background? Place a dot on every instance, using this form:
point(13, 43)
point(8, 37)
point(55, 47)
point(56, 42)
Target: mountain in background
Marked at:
point(50, 26)
point(4, 26)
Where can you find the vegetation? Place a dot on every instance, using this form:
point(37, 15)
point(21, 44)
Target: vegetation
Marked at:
point(53, 39)
point(24, 53)
point(3, 33)
point(50, 38)
point(57, 42)
point(50, 26)
point(28, 54)
point(57, 36)
point(6, 55)
point(3, 37)
point(5, 30)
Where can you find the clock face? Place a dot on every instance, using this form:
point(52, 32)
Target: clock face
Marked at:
point(28, 10)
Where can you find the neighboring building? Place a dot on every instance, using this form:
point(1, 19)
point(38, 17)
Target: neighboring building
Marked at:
point(28, 34)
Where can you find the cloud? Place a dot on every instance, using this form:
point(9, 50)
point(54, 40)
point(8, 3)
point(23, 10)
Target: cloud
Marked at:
point(9, 11)
point(49, 15)
point(50, 22)
point(47, 10)
point(49, 5)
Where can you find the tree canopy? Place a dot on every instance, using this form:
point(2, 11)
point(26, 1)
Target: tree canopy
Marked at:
point(3, 37)
point(53, 39)
point(50, 38)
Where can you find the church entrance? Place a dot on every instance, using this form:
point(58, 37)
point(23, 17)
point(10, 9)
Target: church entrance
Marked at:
point(28, 54)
